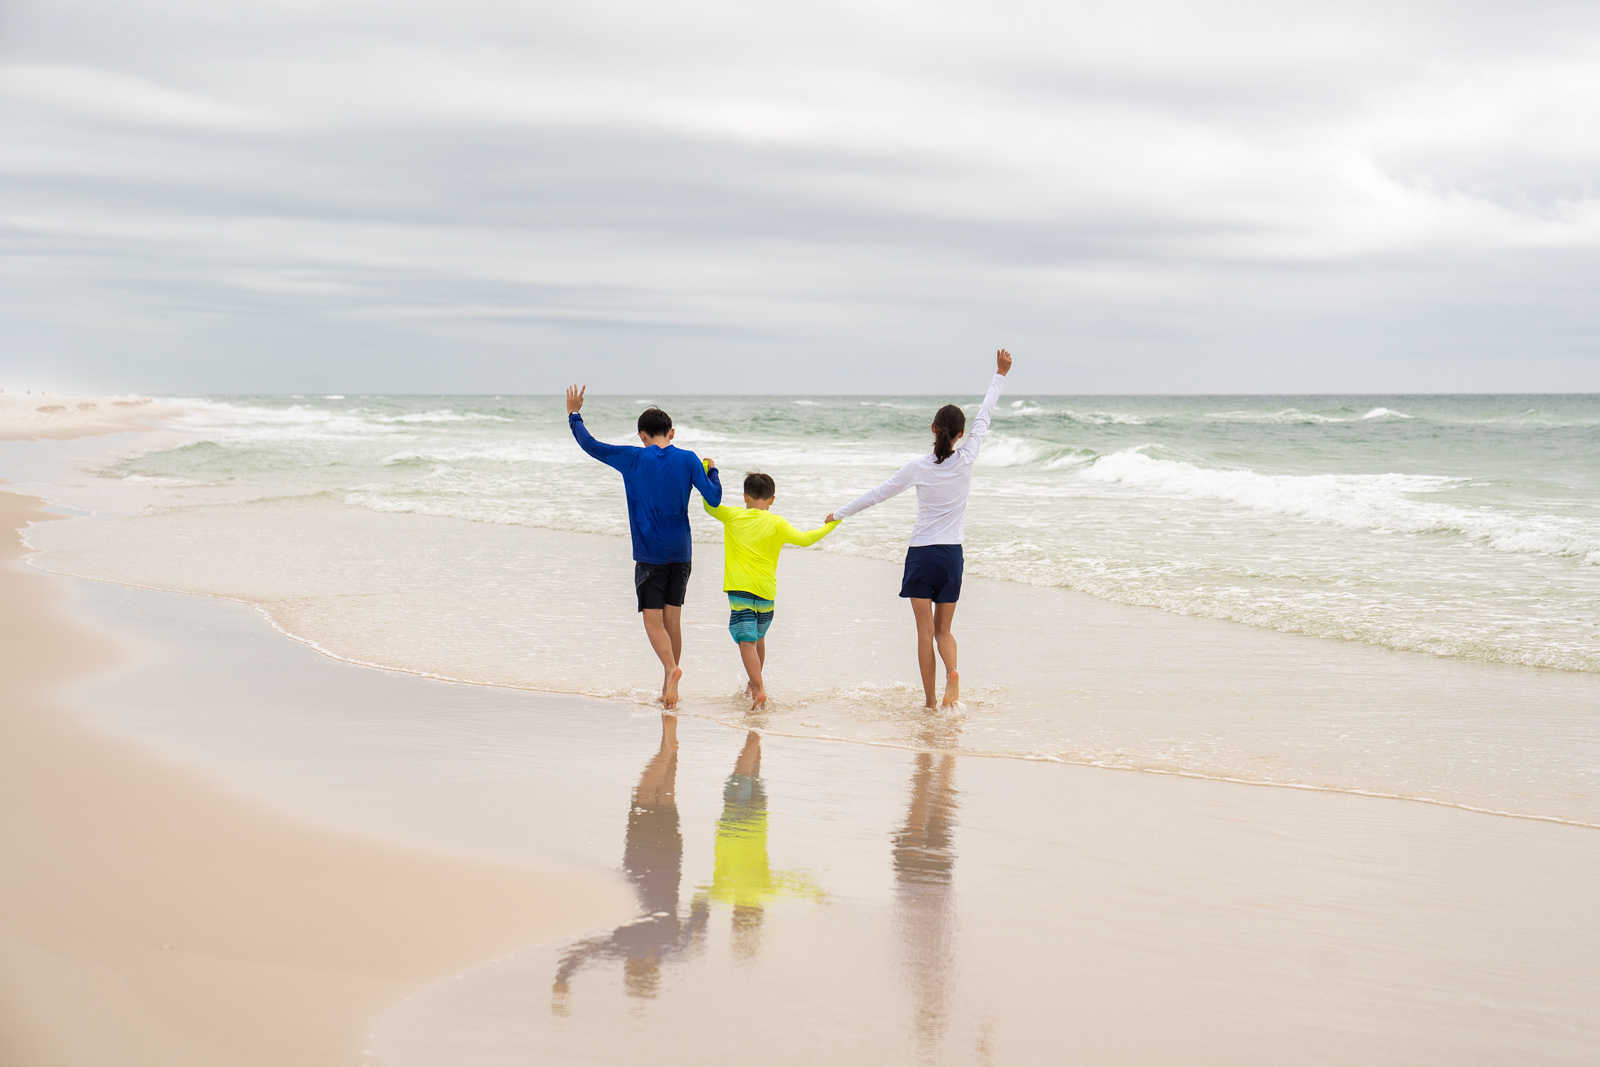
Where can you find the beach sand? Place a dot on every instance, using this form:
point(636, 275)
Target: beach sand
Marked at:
point(848, 903)
point(151, 917)
point(48, 417)
point(230, 848)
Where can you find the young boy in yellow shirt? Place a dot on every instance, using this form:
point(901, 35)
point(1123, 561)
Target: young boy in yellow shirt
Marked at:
point(752, 539)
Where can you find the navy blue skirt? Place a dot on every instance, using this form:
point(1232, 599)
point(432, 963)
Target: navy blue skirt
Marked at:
point(933, 572)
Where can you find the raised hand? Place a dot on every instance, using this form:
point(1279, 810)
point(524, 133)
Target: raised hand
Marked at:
point(1002, 361)
point(575, 398)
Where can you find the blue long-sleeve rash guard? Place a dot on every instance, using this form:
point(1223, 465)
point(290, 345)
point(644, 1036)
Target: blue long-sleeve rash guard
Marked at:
point(657, 482)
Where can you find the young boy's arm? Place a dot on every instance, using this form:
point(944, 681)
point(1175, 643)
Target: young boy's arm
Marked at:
point(720, 512)
point(610, 455)
point(791, 536)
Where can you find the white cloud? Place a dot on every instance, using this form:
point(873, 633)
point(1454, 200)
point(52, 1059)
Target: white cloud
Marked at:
point(821, 172)
point(109, 96)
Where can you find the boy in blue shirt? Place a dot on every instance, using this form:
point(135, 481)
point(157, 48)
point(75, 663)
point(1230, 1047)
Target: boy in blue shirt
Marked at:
point(656, 479)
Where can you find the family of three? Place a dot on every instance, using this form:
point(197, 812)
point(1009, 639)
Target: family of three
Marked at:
point(657, 477)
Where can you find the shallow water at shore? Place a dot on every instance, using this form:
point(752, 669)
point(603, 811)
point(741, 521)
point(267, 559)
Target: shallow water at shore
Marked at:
point(268, 511)
point(1049, 674)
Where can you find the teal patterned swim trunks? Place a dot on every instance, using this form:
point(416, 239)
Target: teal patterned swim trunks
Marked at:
point(748, 616)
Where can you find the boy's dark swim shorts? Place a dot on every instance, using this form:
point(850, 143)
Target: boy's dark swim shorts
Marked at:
point(660, 584)
point(933, 572)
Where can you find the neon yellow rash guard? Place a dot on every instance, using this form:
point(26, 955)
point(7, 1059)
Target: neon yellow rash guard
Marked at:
point(742, 875)
point(752, 539)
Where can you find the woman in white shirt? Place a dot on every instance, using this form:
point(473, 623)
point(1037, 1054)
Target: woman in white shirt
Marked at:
point(934, 563)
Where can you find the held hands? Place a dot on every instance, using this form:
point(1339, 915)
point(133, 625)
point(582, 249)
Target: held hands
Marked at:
point(1002, 361)
point(709, 463)
point(575, 398)
point(830, 518)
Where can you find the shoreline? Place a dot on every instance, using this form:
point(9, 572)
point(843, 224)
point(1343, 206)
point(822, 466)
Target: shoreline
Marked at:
point(205, 927)
point(1221, 700)
point(688, 712)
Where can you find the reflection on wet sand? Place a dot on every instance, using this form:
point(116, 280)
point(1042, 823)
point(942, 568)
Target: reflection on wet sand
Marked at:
point(924, 863)
point(653, 861)
point(742, 875)
point(652, 857)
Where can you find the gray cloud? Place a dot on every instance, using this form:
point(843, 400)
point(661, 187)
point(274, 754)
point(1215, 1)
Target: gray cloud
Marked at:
point(715, 197)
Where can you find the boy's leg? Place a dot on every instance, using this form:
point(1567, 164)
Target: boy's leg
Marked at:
point(922, 610)
point(749, 761)
point(655, 628)
point(672, 619)
point(752, 667)
point(761, 651)
point(943, 616)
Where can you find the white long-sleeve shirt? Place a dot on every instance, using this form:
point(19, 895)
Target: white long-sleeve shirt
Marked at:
point(942, 488)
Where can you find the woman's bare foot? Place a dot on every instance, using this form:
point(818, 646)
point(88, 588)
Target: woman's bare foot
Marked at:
point(952, 690)
point(669, 689)
point(758, 697)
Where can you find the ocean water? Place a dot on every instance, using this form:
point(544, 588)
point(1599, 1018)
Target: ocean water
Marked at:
point(1418, 578)
point(1456, 525)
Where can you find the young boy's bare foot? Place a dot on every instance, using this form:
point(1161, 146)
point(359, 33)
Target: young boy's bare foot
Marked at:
point(758, 697)
point(952, 690)
point(669, 689)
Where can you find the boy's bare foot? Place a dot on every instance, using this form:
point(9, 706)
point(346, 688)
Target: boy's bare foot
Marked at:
point(758, 698)
point(952, 690)
point(669, 689)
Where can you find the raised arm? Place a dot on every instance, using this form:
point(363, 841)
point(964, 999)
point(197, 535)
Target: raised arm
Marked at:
point(792, 536)
point(898, 483)
point(980, 425)
point(610, 455)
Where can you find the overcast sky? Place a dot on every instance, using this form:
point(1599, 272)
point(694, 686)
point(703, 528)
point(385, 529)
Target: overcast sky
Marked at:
point(862, 196)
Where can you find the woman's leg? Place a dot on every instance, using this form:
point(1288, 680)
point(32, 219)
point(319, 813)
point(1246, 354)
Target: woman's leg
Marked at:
point(943, 616)
point(922, 610)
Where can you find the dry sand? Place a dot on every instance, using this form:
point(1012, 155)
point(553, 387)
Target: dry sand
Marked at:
point(26, 417)
point(151, 918)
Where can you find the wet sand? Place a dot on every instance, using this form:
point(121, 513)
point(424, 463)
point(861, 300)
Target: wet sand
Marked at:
point(151, 916)
point(800, 901)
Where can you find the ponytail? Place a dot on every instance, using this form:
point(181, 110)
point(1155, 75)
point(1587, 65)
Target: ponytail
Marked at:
point(949, 423)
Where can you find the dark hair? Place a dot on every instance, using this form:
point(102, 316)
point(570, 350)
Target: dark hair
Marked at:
point(949, 423)
point(653, 422)
point(758, 486)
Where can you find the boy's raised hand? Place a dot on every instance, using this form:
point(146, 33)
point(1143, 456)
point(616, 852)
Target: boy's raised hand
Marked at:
point(575, 398)
point(1002, 360)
